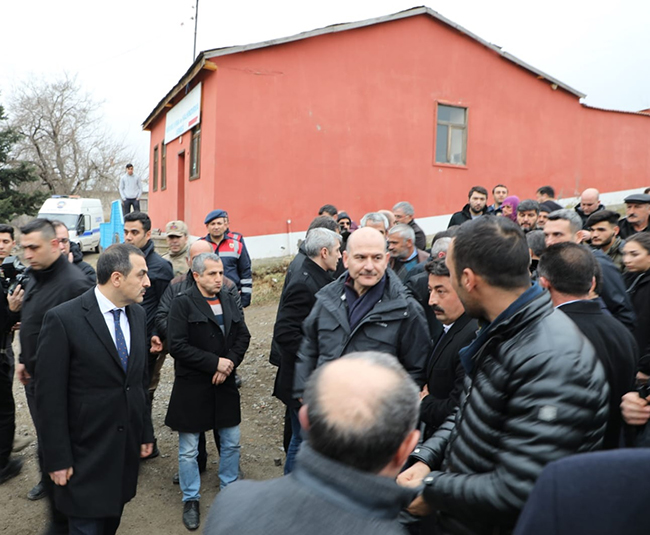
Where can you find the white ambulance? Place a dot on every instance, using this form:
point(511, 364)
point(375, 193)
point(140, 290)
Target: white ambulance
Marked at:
point(81, 216)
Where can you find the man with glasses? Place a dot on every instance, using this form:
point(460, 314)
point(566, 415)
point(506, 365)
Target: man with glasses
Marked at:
point(72, 251)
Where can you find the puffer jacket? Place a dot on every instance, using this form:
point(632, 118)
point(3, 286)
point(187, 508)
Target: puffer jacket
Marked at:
point(536, 393)
point(396, 325)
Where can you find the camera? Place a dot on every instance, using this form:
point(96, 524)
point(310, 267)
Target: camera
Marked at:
point(12, 273)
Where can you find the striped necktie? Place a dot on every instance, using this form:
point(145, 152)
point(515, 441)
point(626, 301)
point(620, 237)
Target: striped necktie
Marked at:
point(120, 342)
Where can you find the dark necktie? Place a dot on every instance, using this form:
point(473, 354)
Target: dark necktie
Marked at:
point(120, 342)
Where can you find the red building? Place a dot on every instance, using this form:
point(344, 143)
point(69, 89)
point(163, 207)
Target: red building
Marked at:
point(362, 115)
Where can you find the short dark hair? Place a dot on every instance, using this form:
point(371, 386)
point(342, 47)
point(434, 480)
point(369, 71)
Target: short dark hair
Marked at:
point(139, 216)
point(7, 229)
point(569, 267)
point(642, 238)
point(547, 190)
point(494, 248)
point(370, 445)
point(477, 189)
point(328, 209)
point(129, 165)
point(324, 221)
point(536, 242)
point(44, 226)
point(116, 258)
point(437, 267)
point(527, 205)
point(499, 186)
point(608, 216)
point(646, 191)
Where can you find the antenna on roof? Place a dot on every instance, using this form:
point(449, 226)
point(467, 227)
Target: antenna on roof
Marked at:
point(196, 23)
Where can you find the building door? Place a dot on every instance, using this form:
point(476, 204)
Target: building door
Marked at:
point(180, 206)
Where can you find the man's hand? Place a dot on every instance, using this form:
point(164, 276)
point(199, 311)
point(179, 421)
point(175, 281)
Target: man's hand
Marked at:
point(425, 392)
point(71, 257)
point(634, 409)
point(218, 378)
point(413, 476)
point(61, 477)
point(23, 376)
point(15, 300)
point(146, 450)
point(225, 366)
point(419, 507)
point(156, 345)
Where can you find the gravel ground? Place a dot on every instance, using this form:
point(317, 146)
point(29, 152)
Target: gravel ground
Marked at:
point(157, 507)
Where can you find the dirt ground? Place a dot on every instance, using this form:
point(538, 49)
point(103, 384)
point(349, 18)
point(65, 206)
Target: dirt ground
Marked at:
point(157, 508)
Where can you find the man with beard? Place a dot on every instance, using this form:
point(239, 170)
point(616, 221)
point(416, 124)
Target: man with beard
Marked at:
point(523, 404)
point(476, 207)
point(604, 229)
point(527, 214)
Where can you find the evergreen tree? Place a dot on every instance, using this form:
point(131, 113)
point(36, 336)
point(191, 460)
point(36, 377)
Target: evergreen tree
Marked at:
point(13, 175)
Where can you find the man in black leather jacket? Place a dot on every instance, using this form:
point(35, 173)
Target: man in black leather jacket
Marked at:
point(534, 391)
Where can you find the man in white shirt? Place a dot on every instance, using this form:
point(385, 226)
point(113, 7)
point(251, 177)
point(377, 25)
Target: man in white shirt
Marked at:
point(91, 392)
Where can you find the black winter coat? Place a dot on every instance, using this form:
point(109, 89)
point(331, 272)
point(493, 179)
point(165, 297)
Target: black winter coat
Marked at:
point(92, 415)
point(617, 351)
point(464, 215)
point(536, 393)
point(196, 343)
point(296, 302)
point(613, 292)
point(638, 288)
point(160, 274)
point(46, 289)
point(445, 373)
point(78, 260)
point(395, 325)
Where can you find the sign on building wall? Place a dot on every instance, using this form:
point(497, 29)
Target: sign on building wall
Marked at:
point(184, 116)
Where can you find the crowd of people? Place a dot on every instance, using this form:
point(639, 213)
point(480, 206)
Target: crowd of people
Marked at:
point(429, 388)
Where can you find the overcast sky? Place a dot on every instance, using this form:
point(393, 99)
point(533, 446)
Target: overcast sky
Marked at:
point(129, 53)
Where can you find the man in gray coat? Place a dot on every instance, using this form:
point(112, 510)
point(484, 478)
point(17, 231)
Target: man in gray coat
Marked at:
point(365, 309)
point(344, 478)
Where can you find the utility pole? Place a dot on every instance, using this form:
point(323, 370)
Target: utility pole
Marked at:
point(196, 23)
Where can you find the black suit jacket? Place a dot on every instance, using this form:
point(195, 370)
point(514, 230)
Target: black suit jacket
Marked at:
point(617, 351)
point(445, 373)
point(92, 415)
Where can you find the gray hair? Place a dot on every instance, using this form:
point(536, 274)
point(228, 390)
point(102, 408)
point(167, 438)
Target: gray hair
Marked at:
point(317, 238)
point(386, 419)
point(566, 214)
point(375, 217)
point(406, 207)
point(527, 205)
point(198, 264)
point(441, 245)
point(403, 231)
point(536, 242)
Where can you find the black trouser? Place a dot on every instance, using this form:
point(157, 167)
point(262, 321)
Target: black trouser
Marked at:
point(128, 203)
point(94, 526)
point(7, 405)
point(58, 521)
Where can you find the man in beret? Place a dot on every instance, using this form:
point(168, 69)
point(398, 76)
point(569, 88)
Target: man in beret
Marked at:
point(637, 210)
point(231, 249)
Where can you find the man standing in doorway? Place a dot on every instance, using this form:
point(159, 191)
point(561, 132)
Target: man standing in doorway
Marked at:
point(130, 190)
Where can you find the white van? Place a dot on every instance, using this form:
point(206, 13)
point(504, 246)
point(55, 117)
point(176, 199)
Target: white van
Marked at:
point(81, 216)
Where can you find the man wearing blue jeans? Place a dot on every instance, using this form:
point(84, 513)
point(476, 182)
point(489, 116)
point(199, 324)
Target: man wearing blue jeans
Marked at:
point(208, 339)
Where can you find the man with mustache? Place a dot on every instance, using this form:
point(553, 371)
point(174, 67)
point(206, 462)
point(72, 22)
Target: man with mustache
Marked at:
point(365, 309)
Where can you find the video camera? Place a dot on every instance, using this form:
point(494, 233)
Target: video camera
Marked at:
point(12, 273)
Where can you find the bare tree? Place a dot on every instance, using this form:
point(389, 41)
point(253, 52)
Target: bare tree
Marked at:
point(63, 135)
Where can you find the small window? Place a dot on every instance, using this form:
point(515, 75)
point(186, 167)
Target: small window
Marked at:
point(195, 153)
point(163, 167)
point(155, 168)
point(451, 135)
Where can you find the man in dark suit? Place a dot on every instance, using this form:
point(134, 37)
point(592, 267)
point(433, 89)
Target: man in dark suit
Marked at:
point(208, 339)
point(567, 270)
point(322, 248)
point(445, 373)
point(91, 394)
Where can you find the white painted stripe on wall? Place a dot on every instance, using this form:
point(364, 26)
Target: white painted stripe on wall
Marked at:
point(276, 245)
